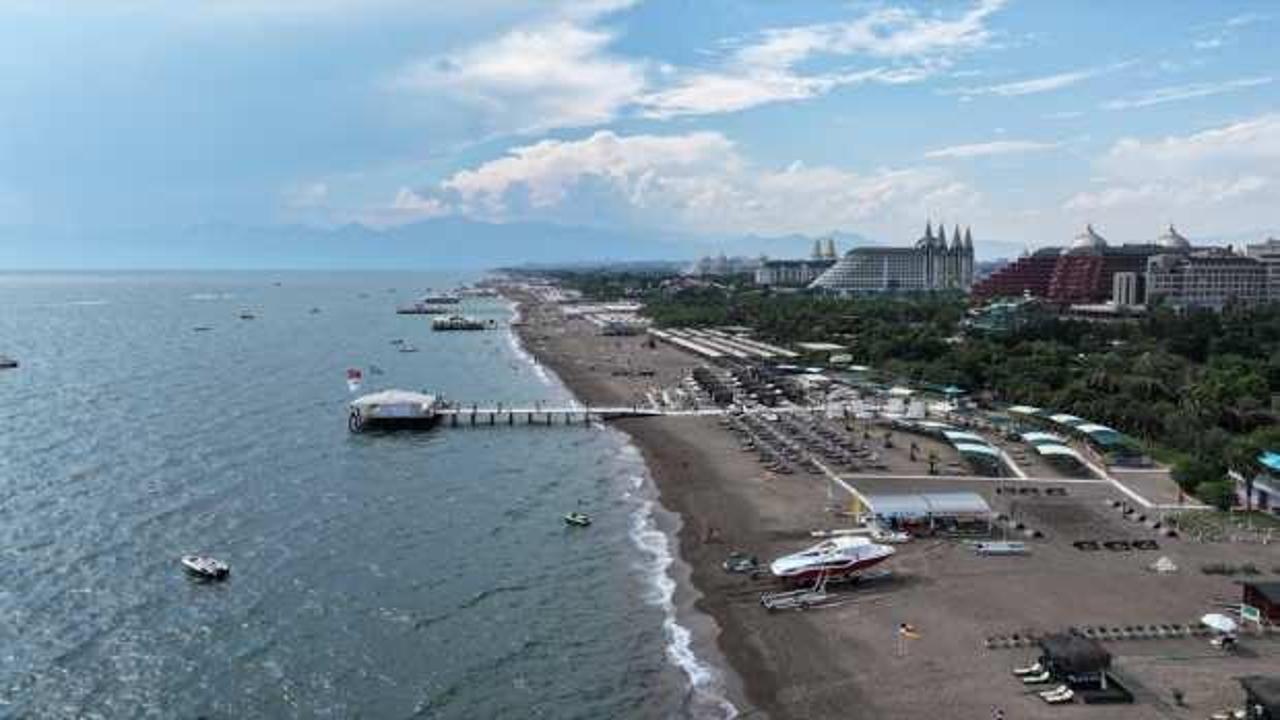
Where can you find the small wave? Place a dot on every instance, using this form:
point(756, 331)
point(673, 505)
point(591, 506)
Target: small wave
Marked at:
point(513, 338)
point(491, 592)
point(708, 698)
point(74, 303)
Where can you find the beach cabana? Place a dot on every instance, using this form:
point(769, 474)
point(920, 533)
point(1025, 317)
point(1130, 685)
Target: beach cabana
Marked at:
point(1076, 660)
point(1262, 697)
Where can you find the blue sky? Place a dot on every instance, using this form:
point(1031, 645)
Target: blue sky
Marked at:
point(1022, 118)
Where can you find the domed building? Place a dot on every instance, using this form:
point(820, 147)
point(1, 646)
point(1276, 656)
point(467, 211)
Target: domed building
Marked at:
point(1088, 242)
point(1172, 241)
point(1089, 270)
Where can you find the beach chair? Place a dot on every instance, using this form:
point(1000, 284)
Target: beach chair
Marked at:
point(1038, 679)
point(1058, 698)
point(1060, 690)
point(1033, 669)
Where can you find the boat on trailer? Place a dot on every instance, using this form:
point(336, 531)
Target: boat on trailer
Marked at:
point(843, 557)
point(394, 410)
point(205, 568)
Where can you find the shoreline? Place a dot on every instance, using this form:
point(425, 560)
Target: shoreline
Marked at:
point(692, 633)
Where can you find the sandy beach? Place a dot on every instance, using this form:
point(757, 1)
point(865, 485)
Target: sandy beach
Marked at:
point(848, 661)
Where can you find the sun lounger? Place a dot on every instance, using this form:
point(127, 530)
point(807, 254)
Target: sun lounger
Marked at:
point(1060, 690)
point(1058, 698)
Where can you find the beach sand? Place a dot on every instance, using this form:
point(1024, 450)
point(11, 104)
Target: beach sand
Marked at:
point(848, 661)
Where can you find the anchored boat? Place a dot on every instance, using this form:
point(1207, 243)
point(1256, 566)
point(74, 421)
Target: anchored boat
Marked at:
point(420, 308)
point(206, 568)
point(392, 410)
point(444, 298)
point(7, 363)
point(577, 519)
point(457, 322)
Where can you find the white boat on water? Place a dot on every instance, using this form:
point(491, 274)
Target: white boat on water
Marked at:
point(844, 556)
point(205, 567)
point(393, 409)
point(457, 322)
point(440, 298)
point(420, 308)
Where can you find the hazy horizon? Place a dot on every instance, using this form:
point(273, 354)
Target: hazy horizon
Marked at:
point(700, 126)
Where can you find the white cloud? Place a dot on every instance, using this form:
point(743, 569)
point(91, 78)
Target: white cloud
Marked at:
point(996, 147)
point(556, 74)
point(1226, 175)
point(1031, 86)
point(309, 195)
point(1209, 43)
point(695, 182)
point(908, 46)
point(1160, 96)
point(560, 71)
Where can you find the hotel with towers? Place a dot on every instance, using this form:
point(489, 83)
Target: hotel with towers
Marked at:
point(933, 264)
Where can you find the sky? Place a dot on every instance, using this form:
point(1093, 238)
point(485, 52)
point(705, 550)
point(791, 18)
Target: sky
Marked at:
point(1024, 119)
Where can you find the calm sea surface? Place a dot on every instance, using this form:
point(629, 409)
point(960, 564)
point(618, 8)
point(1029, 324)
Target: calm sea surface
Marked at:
point(380, 576)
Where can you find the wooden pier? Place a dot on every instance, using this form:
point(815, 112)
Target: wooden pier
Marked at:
point(498, 416)
point(476, 416)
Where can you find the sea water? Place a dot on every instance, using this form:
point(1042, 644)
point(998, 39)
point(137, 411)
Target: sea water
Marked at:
point(375, 575)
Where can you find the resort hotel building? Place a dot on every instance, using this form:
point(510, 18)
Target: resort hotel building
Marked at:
point(1170, 271)
point(932, 264)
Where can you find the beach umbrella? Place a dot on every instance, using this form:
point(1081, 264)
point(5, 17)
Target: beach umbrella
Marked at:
point(1219, 622)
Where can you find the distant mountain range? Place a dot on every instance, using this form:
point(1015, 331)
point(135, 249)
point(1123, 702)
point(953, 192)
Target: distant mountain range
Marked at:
point(442, 243)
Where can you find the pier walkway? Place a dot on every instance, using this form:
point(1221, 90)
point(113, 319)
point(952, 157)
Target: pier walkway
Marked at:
point(457, 415)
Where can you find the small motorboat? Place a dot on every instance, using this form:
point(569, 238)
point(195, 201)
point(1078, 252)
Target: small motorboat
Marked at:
point(206, 568)
point(247, 315)
point(7, 363)
point(839, 557)
point(201, 328)
point(577, 519)
point(407, 348)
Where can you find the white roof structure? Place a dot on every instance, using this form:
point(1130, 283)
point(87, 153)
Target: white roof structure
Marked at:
point(926, 504)
point(976, 448)
point(1040, 438)
point(957, 436)
point(1065, 419)
point(1024, 410)
point(394, 397)
point(900, 391)
point(1091, 428)
point(1057, 451)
